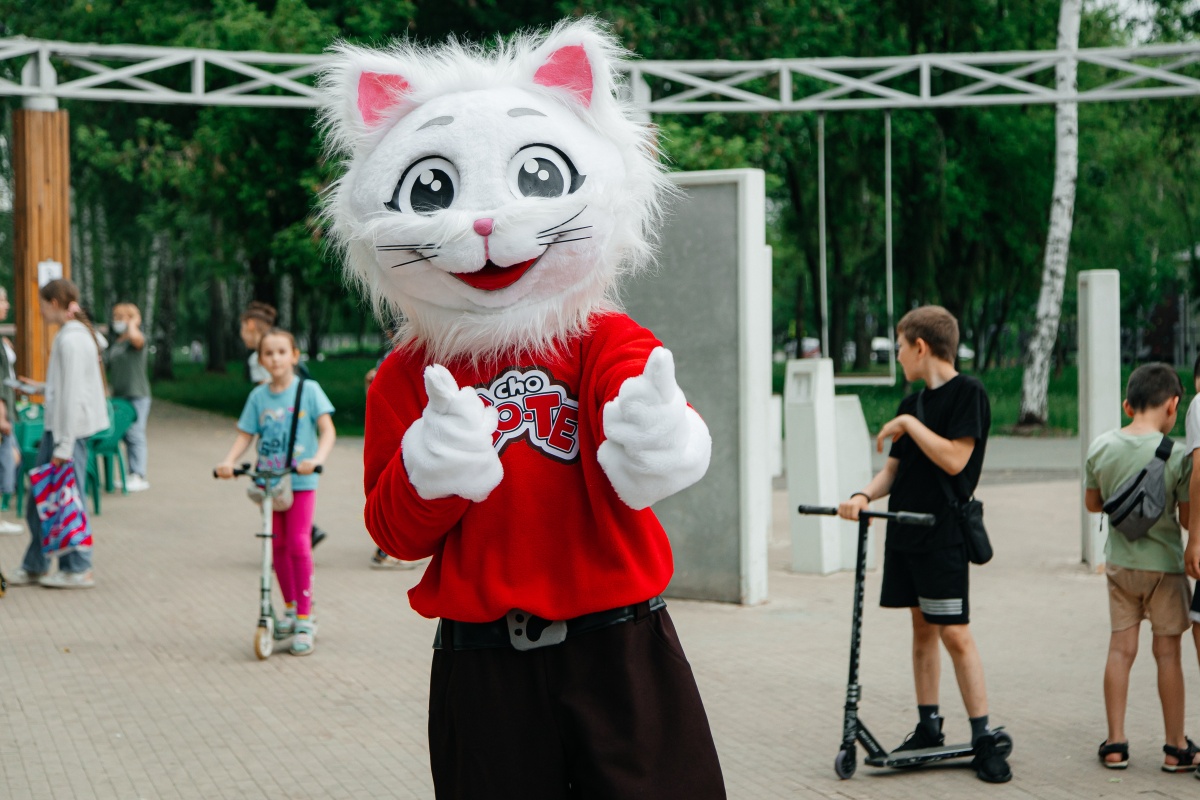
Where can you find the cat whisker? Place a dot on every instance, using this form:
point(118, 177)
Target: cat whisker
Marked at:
point(415, 260)
point(407, 247)
point(560, 233)
point(564, 241)
point(564, 222)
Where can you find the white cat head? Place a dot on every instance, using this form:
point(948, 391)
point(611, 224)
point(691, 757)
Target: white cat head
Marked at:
point(491, 199)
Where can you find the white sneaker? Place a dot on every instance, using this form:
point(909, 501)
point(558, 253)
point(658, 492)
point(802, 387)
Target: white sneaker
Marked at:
point(305, 638)
point(136, 483)
point(11, 528)
point(68, 580)
point(22, 578)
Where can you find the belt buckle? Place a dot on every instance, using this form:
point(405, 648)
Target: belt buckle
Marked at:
point(529, 632)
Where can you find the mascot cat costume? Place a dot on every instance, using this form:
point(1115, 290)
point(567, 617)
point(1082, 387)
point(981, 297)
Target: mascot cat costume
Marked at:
point(523, 425)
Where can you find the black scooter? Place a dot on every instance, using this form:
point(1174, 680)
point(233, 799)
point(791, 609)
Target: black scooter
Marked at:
point(852, 727)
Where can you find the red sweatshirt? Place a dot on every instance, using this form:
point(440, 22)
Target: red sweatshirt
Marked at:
point(553, 538)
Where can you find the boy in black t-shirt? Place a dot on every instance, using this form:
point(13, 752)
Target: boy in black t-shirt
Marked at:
point(938, 440)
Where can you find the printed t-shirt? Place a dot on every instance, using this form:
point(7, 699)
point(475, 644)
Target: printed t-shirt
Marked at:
point(268, 415)
point(958, 408)
point(1113, 458)
point(553, 538)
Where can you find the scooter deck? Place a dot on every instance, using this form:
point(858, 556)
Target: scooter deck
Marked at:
point(926, 755)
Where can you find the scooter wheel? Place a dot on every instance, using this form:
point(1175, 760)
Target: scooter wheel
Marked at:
point(845, 764)
point(264, 642)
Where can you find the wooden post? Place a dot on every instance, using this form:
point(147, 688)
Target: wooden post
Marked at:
point(41, 223)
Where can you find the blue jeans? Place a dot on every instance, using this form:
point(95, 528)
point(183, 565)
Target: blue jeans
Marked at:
point(135, 437)
point(75, 561)
point(8, 464)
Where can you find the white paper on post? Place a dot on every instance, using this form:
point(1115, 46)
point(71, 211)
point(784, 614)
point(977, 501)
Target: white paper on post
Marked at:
point(49, 270)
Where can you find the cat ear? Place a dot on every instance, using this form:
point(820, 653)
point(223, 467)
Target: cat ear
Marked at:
point(576, 59)
point(361, 89)
point(378, 92)
point(568, 68)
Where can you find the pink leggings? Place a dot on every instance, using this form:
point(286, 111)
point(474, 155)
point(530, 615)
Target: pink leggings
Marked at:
point(292, 547)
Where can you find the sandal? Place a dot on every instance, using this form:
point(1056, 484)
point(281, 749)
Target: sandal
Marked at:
point(1121, 748)
point(1185, 756)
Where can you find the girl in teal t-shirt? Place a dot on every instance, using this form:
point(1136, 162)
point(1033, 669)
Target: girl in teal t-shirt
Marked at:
point(268, 415)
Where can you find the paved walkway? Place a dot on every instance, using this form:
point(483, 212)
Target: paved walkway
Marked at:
point(147, 686)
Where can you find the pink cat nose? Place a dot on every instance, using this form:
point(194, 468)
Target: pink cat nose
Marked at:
point(484, 226)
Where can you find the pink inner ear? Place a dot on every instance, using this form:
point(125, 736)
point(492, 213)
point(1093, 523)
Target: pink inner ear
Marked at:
point(377, 92)
point(568, 68)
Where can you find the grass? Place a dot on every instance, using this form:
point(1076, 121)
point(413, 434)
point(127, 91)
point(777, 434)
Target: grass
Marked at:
point(341, 378)
point(1004, 389)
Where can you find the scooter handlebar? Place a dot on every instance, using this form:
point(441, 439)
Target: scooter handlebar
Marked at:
point(245, 469)
point(903, 517)
point(826, 511)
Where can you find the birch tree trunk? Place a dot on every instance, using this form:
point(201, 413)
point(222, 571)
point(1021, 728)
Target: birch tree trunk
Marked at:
point(1035, 386)
point(160, 250)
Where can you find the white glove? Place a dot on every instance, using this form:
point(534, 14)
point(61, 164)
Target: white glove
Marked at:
point(448, 451)
point(655, 444)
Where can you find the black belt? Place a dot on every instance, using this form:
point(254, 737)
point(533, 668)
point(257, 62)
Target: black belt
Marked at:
point(521, 630)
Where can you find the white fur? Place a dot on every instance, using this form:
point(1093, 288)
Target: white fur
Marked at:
point(616, 206)
point(655, 444)
point(448, 451)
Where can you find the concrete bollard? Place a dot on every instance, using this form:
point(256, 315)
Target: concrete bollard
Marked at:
point(1099, 384)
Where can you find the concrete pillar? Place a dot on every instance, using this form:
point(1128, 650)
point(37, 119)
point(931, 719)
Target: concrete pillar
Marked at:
point(1099, 383)
point(714, 257)
point(812, 466)
point(854, 471)
point(776, 425)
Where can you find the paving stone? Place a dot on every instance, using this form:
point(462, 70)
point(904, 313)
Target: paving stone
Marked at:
point(147, 685)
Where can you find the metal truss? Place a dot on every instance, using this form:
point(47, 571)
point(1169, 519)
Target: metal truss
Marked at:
point(144, 74)
point(917, 81)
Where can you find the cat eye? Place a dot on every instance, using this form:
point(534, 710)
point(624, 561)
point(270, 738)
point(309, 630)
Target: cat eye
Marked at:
point(425, 187)
point(542, 171)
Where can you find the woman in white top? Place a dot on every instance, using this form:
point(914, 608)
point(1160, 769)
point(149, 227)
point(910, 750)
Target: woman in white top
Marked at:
point(75, 408)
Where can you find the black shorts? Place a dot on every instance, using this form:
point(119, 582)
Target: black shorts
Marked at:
point(934, 581)
point(1194, 613)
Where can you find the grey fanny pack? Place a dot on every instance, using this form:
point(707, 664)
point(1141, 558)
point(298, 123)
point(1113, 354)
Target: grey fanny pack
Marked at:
point(1141, 500)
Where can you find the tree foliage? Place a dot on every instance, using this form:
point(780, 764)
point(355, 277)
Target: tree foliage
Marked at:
point(195, 211)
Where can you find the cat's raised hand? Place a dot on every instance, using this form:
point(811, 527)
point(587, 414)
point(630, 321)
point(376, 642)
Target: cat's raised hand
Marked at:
point(448, 451)
point(655, 443)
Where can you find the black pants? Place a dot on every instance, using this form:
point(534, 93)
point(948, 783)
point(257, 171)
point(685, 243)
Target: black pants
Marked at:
point(609, 715)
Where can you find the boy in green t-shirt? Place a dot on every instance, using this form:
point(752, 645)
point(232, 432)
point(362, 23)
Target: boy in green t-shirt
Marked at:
point(1145, 577)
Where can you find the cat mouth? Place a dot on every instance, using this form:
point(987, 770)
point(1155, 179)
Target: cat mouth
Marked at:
point(494, 277)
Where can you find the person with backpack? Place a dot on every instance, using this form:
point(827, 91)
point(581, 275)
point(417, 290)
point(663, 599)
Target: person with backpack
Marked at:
point(1137, 477)
point(939, 437)
point(292, 418)
point(256, 322)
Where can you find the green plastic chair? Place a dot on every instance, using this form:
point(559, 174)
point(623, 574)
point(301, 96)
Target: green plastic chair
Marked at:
point(106, 446)
point(27, 430)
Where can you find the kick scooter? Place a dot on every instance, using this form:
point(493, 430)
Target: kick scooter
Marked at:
point(853, 728)
point(267, 480)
